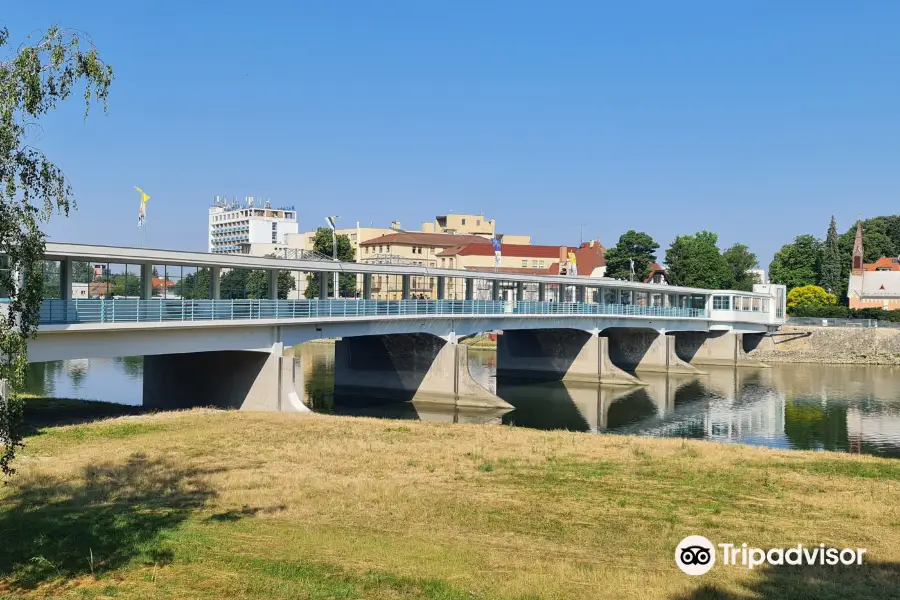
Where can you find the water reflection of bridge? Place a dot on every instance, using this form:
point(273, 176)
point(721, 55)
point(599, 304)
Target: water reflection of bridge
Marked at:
point(852, 409)
point(710, 406)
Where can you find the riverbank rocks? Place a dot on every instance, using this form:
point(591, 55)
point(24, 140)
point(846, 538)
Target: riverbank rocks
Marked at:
point(836, 345)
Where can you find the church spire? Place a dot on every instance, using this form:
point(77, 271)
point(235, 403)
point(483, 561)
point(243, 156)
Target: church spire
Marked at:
point(858, 248)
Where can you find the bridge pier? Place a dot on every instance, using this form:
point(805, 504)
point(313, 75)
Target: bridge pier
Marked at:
point(558, 354)
point(413, 366)
point(246, 380)
point(717, 348)
point(634, 349)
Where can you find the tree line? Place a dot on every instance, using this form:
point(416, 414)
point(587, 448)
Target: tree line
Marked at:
point(826, 263)
point(693, 260)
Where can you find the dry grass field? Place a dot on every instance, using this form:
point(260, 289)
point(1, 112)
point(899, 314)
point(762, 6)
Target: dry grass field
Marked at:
point(207, 504)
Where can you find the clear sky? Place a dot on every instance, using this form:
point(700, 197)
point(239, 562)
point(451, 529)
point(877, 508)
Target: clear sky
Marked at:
point(756, 119)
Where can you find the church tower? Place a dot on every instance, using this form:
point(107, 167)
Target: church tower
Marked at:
point(857, 266)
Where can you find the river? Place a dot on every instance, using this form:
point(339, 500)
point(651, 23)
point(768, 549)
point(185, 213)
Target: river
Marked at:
point(848, 408)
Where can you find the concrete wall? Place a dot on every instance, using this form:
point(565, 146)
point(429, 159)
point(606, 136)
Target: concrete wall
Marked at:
point(558, 354)
point(417, 367)
point(717, 348)
point(634, 349)
point(836, 345)
point(261, 381)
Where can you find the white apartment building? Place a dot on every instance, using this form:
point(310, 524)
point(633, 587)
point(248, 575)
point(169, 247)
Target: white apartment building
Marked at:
point(236, 227)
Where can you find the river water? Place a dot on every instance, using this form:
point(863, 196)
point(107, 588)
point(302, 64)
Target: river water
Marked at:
point(806, 406)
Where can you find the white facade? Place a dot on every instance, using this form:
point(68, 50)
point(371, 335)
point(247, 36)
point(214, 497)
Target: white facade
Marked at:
point(234, 228)
point(760, 275)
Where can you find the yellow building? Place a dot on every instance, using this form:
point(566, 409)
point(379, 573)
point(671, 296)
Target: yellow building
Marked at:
point(370, 244)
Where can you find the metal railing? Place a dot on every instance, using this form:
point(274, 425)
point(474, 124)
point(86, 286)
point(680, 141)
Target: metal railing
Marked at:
point(829, 322)
point(155, 311)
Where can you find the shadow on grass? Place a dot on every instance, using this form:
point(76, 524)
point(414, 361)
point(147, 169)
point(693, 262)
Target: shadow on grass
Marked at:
point(114, 513)
point(872, 581)
point(41, 413)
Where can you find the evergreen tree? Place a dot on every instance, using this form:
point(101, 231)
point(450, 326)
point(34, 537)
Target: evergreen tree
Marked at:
point(632, 246)
point(830, 278)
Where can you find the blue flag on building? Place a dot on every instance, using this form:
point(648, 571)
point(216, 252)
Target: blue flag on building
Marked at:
point(496, 243)
point(330, 221)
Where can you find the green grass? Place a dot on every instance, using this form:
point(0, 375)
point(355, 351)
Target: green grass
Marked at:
point(209, 505)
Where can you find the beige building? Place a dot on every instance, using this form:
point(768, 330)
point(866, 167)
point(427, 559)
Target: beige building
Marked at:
point(413, 248)
point(471, 253)
point(395, 245)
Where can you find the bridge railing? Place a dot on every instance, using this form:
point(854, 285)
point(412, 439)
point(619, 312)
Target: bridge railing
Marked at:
point(134, 311)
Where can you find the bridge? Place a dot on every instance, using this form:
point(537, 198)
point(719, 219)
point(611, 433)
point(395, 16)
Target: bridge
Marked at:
point(238, 351)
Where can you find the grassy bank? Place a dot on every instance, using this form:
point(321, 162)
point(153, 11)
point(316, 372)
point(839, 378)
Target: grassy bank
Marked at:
point(208, 504)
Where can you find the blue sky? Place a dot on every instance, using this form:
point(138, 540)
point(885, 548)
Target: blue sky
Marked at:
point(755, 119)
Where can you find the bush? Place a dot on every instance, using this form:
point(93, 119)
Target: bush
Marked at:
point(811, 296)
point(842, 312)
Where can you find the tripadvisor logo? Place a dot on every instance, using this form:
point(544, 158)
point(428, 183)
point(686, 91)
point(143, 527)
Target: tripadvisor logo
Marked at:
point(696, 555)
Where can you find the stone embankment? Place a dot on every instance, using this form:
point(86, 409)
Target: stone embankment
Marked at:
point(835, 345)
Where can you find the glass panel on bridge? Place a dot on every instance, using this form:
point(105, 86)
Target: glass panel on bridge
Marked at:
point(697, 301)
point(656, 299)
point(530, 291)
point(50, 277)
point(625, 297)
point(454, 288)
point(640, 298)
point(507, 291)
point(610, 296)
point(551, 292)
point(721, 303)
point(483, 290)
point(569, 293)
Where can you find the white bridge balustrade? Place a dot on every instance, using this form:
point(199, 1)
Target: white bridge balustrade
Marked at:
point(615, 328)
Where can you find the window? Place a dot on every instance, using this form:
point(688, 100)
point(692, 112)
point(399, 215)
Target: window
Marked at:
point(353, 236)
point(443, 261)
point(524, 262)
point(534, 264)
point(367, 249)
point(609, 296)
point(721, 303)
point(755, 305)
point(463, 221)
point(478, 222)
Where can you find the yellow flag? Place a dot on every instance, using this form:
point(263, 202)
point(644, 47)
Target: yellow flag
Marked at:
point(142, 213)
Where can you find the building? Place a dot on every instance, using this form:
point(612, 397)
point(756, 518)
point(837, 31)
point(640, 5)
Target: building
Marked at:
point(760, 275)
point(657, 275)
point(873, 285)
point(472, 253)
point(589, 259)
point(249, 227)
point(416, 248)
point(453, 228)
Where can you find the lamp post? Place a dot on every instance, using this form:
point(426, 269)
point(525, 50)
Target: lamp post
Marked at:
point(333, 220)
